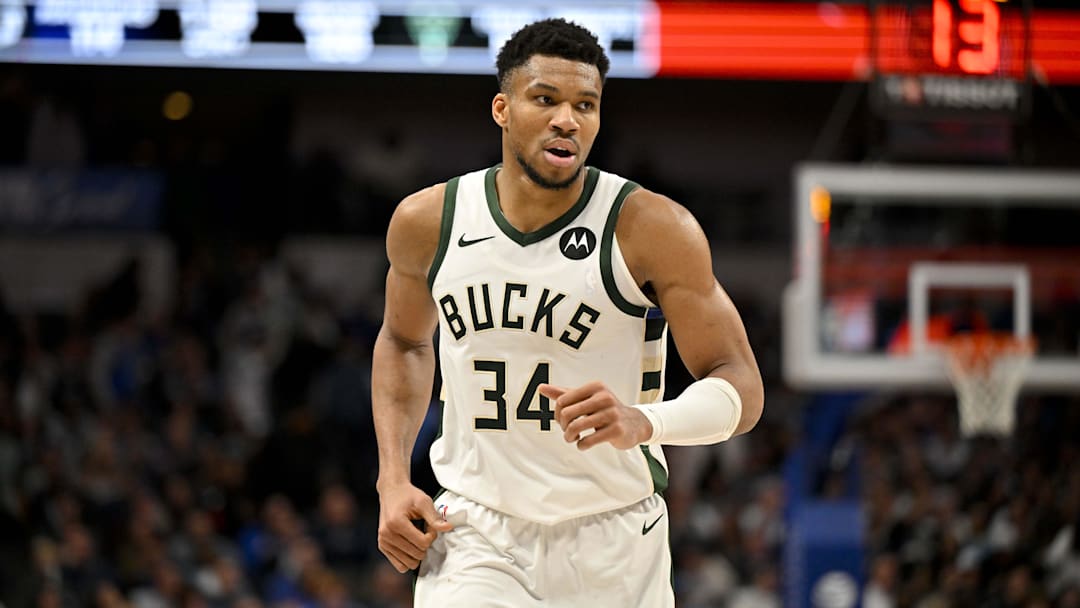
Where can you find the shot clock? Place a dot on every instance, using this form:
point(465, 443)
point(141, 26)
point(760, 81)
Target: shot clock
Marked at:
point(950, 78)
point(951, 59)
point(969, 40)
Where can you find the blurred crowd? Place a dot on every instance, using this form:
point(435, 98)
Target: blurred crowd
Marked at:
point(954, 521)
point(224, 455)
point(219, 457)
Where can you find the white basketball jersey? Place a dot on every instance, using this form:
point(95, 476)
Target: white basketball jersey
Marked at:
point(556, 306)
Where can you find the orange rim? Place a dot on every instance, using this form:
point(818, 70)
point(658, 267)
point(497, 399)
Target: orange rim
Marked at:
point(977, 352)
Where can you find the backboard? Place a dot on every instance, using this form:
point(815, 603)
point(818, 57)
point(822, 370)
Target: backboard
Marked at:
point(890, 260)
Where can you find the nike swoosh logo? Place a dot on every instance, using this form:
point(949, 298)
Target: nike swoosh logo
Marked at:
point(646, 529)
point(462, 242)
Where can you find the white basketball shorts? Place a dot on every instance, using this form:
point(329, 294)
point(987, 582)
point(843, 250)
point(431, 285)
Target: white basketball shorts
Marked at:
point(617, 559)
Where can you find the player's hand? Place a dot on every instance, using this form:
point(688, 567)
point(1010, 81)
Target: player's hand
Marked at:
point(594, 407)
point(399, 539)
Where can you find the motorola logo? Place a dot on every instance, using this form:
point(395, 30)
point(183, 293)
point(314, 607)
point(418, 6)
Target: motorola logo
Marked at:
point(577, 243)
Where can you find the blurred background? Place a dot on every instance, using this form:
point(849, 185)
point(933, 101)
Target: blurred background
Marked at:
point(193, 198)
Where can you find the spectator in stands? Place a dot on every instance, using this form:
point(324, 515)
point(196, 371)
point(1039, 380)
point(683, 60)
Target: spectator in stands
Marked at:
point(146, 493)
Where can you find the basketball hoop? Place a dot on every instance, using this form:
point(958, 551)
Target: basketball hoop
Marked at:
point(987, 369)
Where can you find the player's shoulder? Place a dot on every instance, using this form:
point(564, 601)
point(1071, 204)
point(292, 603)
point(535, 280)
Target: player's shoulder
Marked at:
point(647, 212)
point(413, 235)
point(421, 209)
point(658, 236)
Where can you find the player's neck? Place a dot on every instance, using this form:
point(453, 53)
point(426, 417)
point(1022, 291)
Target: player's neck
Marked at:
point(529, 206)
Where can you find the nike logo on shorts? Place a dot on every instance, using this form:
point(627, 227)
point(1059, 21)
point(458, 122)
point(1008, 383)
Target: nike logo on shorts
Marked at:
point(462, 242)
point(646, 529)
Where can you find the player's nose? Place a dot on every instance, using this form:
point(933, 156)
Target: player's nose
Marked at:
point(563, 119)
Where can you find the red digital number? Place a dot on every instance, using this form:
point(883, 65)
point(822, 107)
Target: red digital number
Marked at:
point(982, 33)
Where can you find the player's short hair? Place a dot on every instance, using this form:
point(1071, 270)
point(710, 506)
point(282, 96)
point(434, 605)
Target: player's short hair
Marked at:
point(553, 37)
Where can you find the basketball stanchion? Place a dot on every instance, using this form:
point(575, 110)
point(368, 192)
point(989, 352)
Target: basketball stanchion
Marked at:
point(987, 370)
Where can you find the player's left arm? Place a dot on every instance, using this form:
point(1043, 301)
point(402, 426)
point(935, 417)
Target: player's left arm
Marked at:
point(666, 250)
point(668, 255)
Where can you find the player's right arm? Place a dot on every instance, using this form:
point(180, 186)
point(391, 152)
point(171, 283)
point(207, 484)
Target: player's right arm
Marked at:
point(402, 368)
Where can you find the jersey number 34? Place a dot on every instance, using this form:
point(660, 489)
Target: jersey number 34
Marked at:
point(497, 396)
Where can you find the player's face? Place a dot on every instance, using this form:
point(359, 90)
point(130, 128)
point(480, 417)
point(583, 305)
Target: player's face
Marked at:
point(550, 116)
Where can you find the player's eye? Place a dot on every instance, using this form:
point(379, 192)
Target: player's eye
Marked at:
point(586, 106)
point(544, 99)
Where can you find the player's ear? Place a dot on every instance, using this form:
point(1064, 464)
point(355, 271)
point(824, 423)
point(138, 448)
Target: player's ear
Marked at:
point(500, 109)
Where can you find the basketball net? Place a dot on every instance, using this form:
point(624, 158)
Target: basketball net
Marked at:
point(987, 369)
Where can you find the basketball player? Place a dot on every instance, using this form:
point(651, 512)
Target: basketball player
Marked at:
point(546, 279)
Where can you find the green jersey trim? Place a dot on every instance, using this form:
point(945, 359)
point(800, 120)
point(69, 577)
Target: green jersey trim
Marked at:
point(659, 473)
point(527, 238)
point(650, 381)
point(442, 413)
point(449, 202)
point(606, 245)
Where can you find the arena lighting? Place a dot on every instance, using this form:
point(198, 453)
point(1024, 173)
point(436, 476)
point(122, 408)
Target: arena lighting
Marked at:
point(217, 28)
point(608, 20)
point(337, 32)
point(757, 40)
point(12, 22)
point(96, 28)
point(177, 105)
point(434, 26)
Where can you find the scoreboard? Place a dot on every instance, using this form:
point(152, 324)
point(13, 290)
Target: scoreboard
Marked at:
point(930, 48)
point(944, 58)
point(952, 79)
point(435, 36)
point(964, 37)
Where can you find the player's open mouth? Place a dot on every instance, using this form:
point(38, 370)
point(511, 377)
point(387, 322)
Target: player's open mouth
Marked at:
point(560, 156)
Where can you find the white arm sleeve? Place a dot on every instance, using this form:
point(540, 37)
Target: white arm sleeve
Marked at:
point(708, 411)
